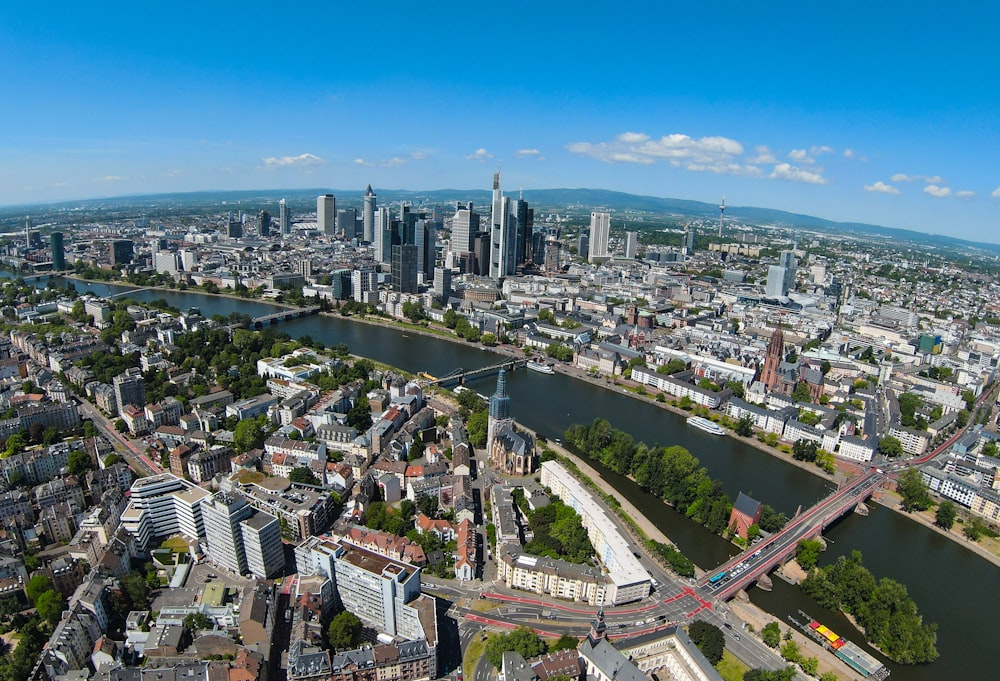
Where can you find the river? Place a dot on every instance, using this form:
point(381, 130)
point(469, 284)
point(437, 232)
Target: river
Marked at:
point(932, 567)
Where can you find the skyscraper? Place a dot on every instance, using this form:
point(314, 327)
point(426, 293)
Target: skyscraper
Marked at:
point(326, 211)
point(284, 219)
point(600, 231)
point(688, 244)
point(58, 252)
point(264, 223)
point(368, 233)
point(347, 222)
point(241, 539)
point(383, 235)
point(423, 238)
point(631, 244)
point(781, 277)
point(503, 233)
point(524, 221)
point(464, 228)
point(121, 251)
point(129, 388)
point(404, 268)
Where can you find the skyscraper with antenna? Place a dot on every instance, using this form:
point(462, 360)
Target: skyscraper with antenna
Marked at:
point(722, 211)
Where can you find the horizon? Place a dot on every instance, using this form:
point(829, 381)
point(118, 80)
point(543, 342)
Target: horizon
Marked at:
point(846, 116)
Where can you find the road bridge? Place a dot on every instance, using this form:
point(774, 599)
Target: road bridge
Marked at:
point(460, 375)
point(740, 571)
point(284, 315)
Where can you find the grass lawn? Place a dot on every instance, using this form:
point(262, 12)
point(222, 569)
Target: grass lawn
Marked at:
point(730, 668)
point(484, 605)
point(175, 544)
point(473, 652)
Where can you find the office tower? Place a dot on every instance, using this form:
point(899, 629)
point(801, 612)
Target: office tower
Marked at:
point(442, 283)
point(363, 282)
point(189, 259)
point(284, 219)
point(781, 277)
point(264, 223)
point(524, 218)
point(58, 252)
point(464, 228)
point(552, 252)
point(404, 268)
point(306, 268)
point(503, 233)
point(481, 254)
point(583, 243)
point(423, 239)
point(538, 240)
point(383, 234)
point(326, 211)
point(688, 241)
point(265, 553)
point(165, 262)
point(121, 251)
point(130, 388)
point(234, 229)
point(631, 244)
point(160, 506)
point(600, 231)
point(221, 515)
point(347, 222)
point(340, 281)
point(368, 234)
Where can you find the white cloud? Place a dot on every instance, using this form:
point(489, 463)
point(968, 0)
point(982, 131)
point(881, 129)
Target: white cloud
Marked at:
point(800, 156)
point(929, 179)
point(996, 193)
point(965, 194)
point(480, 155)
point(848, 153)
point(526, 153)
point(785, 171)
point(937, 192)
point(173, 173)
point(363, 162)
point(110, 178)
point(712, 154)
point(881, 187)
point(421, 154)
point(764, 155)
point(824, 149)
point(302, 160)
point(393, 162)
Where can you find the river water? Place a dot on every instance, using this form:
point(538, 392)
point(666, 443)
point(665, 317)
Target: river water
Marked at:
point(952, 586)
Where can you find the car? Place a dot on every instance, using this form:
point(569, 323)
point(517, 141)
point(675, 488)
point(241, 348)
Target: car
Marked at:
point(727, 625)
point(736, 636)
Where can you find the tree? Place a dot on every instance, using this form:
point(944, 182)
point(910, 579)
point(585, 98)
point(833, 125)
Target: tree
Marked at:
point(488, 339)
point(197, 620)
point(79, 462)
point(810, 665)
point(413, 311)
point(450, 318)
point(786, 674)
point(248, 435)
point(807, 553)
point(38, 585)
point(890, 447)
point(771, 634)
point(790, 651)
point(50, 605)
point(709, 639)
point(521, 640)
point(801, 392)
point(913, 489)
point(303, 475)
point(744, 426)
point(829, 676)
point(137, 591)
point(945, 515)
point(565, 642)
point(344, 631)
point(805, 450)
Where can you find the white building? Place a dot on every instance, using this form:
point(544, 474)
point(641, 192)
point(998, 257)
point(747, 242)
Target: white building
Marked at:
point(600, 231)
point(161, 506)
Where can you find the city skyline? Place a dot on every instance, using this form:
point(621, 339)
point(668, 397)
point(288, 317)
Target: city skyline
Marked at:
point(876, 114)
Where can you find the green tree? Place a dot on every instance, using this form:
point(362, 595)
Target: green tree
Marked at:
point(801, 392)
point(413, 311)
point(672, 367)
point(79, 462)
point(810, 665)
point(709, 639)
point(945, 515)
point(522, 640)
point(38, 585)
point(807, 553)
point(196, 621)
point(564, 642)
point(488, 339)
point(790, 651)
point(913, 490)
point(744, 426)
point(303, 475)
point(829, 676)
point(786, 674)
point(771, 634)
point(344, 631)
point(805, 450)
point(248, 435)
point(136, 590)
point(890, 447)
point(50, 606)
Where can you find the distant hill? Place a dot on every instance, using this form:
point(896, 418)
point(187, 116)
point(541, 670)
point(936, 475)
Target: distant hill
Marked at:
point(583, 199)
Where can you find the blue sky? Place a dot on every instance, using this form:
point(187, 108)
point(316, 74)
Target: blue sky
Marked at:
point(883, 112)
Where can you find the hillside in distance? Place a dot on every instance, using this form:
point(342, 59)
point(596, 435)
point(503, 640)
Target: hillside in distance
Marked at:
point(581, 200)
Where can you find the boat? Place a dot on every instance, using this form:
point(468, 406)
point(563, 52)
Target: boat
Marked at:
point(540, 368)
point(706, 425)
point(855, 657)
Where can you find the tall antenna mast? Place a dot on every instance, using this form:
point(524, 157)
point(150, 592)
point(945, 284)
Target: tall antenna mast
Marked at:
point(722, 210)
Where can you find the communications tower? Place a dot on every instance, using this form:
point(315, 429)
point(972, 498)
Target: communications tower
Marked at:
point(722, 210)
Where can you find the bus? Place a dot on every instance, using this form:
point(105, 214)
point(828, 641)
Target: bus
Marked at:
point(718, 578)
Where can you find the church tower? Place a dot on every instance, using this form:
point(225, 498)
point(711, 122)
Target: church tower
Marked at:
point(499, 411)
point(775, 352)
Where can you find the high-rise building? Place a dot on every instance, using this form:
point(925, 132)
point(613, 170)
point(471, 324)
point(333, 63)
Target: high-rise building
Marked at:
point(687, 244)
point(326, 212)
point(368, 233)
point(442, 283)
point(241, 539)
point(464, 228)
point(347, 222)
point(234, 229)
point(383, 235)
point(631, 244)
point(503, 233)
point(58, 251)
point(404, 268)
point(284, 218)
point(363, 281)
point(600, 232)
point(552, 251)
point(162, 505)
point(424, 238)
point(122, 251)
point(165, 262)
point(781, 277)
point(525, 223)
point(129, 388)
point(264, 223)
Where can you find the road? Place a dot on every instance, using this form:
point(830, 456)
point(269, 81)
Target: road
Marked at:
point(131, 450)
